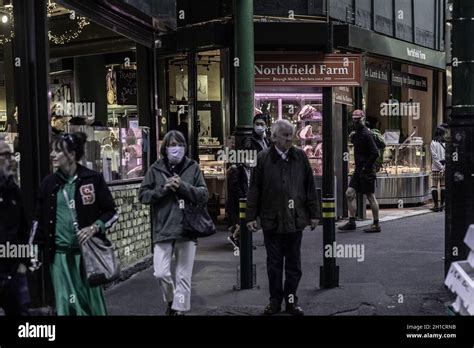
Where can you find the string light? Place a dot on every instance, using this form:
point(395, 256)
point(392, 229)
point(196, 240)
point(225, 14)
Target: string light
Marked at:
point(58, 39)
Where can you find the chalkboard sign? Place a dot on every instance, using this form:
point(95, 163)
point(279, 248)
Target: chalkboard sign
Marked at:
point(126, 86)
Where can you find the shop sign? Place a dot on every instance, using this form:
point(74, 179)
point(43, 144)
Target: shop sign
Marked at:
point(330, 70)
point(377, 74)
point(126, 86)
point(343, 95)
point(402, 79)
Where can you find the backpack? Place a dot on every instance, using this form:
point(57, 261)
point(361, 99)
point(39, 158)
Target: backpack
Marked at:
point(380, 143)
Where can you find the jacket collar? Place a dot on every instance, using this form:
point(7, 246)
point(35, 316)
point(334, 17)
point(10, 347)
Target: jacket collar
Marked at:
point(160, 166)
point(275, 155)
point(82, 172)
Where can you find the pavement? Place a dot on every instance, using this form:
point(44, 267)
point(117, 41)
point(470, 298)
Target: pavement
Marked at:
point(401, 273)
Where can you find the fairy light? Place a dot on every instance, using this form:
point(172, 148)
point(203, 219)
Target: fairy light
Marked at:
point(58, 39)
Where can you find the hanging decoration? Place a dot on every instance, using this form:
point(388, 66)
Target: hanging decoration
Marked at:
point(68, 35)
point(53, 9)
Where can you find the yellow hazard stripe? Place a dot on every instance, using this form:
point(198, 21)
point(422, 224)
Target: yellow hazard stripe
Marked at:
point(242, 205)
point(329, 215)
point(329, 205)
point(242, 215)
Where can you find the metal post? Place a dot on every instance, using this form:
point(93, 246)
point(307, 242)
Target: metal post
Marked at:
point(460, 145)
point(244, 69)
point(245, 250)
point(192, 96)
point(329, 272)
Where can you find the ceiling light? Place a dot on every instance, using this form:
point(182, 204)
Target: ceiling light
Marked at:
point(4, 19)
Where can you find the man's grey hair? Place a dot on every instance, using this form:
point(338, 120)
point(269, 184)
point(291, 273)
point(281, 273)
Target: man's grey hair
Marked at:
point(280, 125)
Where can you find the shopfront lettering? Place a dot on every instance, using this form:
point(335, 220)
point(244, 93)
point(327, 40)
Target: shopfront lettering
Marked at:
point(330, 70)
point(413, 52)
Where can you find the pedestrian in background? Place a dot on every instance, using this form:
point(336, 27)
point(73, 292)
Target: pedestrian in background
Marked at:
point(364, 177)
point(438, 162)
point(14, 294)
point(258, 141)
point(282, 194)
point(170, 183)
point(74, 184)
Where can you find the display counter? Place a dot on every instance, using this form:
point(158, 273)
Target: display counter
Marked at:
point(402, 176)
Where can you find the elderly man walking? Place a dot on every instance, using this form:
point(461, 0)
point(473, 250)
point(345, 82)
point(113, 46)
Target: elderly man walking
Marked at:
point(282, 194)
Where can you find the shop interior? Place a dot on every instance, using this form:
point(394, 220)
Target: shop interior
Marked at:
point(93, 89)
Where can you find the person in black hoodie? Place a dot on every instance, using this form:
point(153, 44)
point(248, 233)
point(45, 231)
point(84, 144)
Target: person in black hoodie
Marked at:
point(364, 177)
point(14, 294)
point(258, 140)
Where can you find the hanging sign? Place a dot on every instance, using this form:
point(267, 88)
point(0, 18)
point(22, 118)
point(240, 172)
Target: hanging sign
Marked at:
point(327, 71)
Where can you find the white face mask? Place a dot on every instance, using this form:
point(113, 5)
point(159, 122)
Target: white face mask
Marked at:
point(260, 130)
point(175, 154)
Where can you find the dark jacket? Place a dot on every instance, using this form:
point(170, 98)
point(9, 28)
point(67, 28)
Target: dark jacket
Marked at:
point(237, 187)
point(365, 150)
point(282, 193)
point(13, 224)
point(93, 202)
point(252, 142)
point(167, 214)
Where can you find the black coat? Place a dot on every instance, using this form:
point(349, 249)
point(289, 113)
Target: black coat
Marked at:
point(93, 202)
point(14, 228)
point(251, 143)
point(282, 193)
point(237, 187)
point(365, 150)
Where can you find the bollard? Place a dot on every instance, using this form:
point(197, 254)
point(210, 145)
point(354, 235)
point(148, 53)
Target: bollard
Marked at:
point(329, 272)
point(245, 251)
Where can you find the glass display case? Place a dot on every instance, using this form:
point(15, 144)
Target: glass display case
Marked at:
point(118, 153)
point(402, 176)
point(12, 140)
point(304, 110)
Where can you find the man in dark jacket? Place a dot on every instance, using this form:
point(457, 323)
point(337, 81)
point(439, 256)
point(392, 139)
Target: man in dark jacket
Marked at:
point(282, 194)
point(364, 177)
point(14, 295)
point(258, 140)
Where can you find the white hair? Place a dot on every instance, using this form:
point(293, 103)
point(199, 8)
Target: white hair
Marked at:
point(282, 124)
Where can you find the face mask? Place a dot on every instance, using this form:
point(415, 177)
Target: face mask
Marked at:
point(260, 130)
point(175, 154)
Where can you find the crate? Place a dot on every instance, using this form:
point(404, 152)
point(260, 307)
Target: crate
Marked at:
point(460, 281)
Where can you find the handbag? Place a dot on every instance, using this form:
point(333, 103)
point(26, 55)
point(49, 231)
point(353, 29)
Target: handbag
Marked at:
point(197, 223)
point(101, 266)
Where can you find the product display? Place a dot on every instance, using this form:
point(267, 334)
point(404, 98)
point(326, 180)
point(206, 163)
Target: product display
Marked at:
point(309, 112)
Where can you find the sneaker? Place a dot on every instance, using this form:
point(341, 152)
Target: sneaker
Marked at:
point(272, 308)
point(349, 226)
point(233, 241)
point(373, 229)
point(294, 309)
point(435, 209)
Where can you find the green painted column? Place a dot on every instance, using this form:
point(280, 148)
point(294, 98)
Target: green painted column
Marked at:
point(243, 62)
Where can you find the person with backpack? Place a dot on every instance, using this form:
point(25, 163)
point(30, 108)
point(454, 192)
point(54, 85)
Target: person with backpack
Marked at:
point(364, 177)
point(379, 142)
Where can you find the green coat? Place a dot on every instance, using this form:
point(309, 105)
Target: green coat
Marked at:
point(167, 215)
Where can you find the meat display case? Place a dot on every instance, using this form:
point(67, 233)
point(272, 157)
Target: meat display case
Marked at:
point(403, 177)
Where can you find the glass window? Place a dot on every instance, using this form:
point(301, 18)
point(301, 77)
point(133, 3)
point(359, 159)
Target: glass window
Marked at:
point(425, 22)
point(363, 13)
point(383, 11)
point(404, 20)
point(341, 10)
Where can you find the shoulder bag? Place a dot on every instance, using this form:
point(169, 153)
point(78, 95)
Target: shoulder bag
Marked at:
point(197, 223)
point(101, 266)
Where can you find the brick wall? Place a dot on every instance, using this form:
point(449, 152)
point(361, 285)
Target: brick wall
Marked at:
point(131, 235)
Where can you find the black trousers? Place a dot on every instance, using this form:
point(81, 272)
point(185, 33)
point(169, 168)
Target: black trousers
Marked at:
point(14, 295)
point(283, 249)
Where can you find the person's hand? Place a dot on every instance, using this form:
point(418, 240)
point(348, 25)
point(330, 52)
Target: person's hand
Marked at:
point(86, 233)
point(314, 223)
point(252, 226)
point(21, 269)
point(176, 182)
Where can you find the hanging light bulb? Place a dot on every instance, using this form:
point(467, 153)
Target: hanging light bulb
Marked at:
point(4, 19)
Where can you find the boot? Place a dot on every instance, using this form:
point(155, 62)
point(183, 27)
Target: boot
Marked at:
point(434, 193)
point(443, 196)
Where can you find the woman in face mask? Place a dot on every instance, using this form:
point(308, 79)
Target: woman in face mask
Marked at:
point(258, 141)
point(170, 183)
